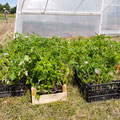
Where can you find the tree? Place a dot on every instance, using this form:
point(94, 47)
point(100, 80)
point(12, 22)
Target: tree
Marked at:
point(13, 10)
point(7, 6)
point(1, 8)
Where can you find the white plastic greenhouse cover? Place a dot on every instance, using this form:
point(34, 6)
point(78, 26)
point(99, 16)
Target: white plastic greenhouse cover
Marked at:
point(68, 17)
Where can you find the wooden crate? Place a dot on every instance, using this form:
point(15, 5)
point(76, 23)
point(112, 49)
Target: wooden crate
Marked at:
point(49, 98)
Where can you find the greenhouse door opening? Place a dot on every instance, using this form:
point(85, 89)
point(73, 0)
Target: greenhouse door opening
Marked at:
point(68, 17)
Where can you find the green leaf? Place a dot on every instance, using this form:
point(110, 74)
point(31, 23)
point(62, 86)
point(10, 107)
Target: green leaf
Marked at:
point(37, 97)
point(26, 73)
point(12, 76)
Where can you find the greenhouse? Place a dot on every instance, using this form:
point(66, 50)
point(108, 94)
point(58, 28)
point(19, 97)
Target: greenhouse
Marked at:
point(68, 17)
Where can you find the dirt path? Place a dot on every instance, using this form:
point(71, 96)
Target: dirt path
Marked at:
point(6, 29)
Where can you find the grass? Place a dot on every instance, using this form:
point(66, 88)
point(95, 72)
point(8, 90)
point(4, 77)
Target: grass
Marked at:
point(9, 16)
point(75, 108)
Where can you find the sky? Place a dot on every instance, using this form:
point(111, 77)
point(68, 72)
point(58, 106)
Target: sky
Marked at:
point(12, 3)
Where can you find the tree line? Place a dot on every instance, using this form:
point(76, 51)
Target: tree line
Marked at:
point(7, 6)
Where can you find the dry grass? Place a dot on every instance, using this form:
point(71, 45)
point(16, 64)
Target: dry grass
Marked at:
point(6, 29)
point(75, 108)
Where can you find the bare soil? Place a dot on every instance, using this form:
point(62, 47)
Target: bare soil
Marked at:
point(117, 38)
point(6, 29)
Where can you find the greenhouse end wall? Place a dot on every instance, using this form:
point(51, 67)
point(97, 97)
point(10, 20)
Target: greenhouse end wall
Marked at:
point(57, 18)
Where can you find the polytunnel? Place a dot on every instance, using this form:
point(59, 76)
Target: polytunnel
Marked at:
point(68, 17)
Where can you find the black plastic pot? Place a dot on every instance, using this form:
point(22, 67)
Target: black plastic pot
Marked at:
point(98, 92)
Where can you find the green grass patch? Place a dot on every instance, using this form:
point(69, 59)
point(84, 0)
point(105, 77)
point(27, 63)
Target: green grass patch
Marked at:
point(9, 16)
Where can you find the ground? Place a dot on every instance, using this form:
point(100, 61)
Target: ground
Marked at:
point(6, 29)
point(75, 108)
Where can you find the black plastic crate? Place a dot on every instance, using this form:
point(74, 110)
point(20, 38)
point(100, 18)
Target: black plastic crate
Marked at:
point(16, 89)
point(98, 92)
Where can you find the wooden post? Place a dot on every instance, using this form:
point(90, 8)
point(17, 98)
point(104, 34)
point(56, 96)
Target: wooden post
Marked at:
point(34, 91)
point(118, 69)
point(64, 88)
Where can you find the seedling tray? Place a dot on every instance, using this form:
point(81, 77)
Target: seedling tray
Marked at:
point(98, 92)
point(16, 89)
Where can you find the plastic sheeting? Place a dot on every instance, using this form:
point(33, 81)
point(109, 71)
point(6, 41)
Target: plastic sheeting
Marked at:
point(111, 19)
point(63, 5)
point(34, 5)
point(50, 25)
point(68, 17)
point(91, 6)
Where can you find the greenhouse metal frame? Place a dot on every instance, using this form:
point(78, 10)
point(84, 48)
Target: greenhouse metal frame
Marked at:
point(68, 17)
